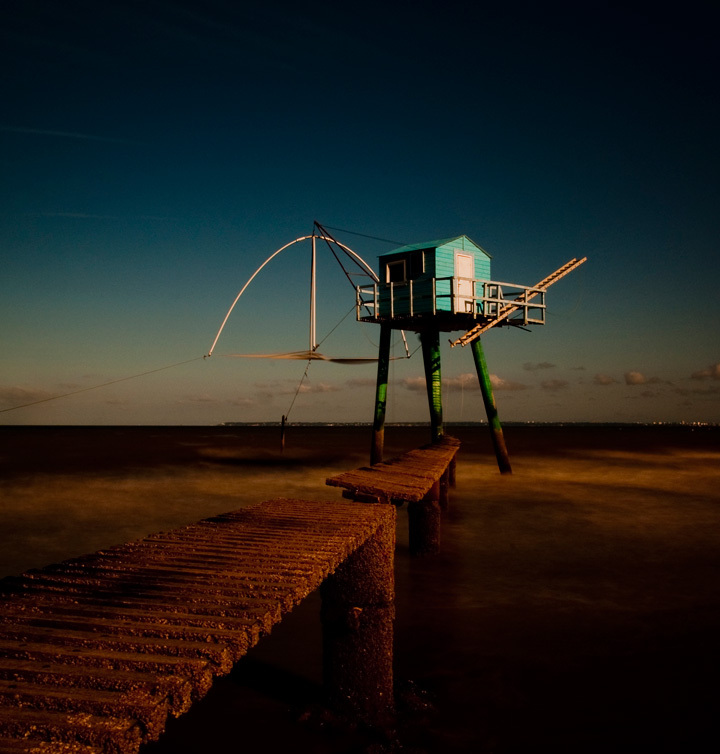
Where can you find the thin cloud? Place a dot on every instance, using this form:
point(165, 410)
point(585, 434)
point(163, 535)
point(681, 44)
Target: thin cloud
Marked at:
point(529, 366)
point(318, 387)
point(272, 384)
point(709, 390)
point(450, 384)
point(499, 384)
point(204, 398)
point(76, 215)
point(361, 382)
point(711, 373)
point(466, 381)
point(416, 384)
point(638, 378)
point(712, 390)
point(604, 379)
point(11, 397)
point(91, 216)
point(635, 378)
point(67, 135)
point(554, 385)
point(276, 388)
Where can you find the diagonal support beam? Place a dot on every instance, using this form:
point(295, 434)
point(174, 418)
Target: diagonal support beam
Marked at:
point(518, 303)
point(496, 430)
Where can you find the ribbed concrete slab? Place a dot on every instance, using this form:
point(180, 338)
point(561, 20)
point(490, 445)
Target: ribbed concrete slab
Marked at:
point(96, 652)
point(407, 478)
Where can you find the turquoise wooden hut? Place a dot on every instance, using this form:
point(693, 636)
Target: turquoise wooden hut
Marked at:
point(434, 276)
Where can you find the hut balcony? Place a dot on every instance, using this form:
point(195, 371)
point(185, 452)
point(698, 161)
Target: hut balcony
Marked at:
point(447, 303)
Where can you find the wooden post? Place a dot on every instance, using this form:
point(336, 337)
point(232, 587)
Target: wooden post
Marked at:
point(358, 614)
point(496, 431)
point(431, 358)
point(378, 438)
point(313, 274)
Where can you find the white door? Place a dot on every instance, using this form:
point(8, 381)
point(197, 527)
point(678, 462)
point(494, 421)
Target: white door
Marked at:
point(464, 274)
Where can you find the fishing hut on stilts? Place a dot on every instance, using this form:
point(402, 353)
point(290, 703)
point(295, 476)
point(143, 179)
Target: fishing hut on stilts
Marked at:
point(427, 288)
point(445, 286)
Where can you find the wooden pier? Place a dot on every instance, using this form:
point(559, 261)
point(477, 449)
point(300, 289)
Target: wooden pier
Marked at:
point(97, 652)
point(421, 478)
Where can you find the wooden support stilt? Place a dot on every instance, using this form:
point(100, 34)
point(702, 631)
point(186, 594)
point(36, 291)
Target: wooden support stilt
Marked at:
point(358, 613)
point(431, 357)
point(424, 518)
point(378, 438)
point(498, 438)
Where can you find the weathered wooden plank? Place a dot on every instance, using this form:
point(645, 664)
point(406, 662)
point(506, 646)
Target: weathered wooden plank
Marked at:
point(193, 596)
point(108, 733)
point(419, 478)
point(197, 672)
point(409, 477)
point(26, 746)
point(97, 651)
point(115, 623)
point(414, 488)
point(87, 636)
point(128, 705)
point(174, 692)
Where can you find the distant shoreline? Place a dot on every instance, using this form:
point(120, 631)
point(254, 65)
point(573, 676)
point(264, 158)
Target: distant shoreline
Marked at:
point(450, 424)
point(475, 424)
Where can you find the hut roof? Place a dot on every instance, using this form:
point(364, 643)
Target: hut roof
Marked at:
point(434, 245)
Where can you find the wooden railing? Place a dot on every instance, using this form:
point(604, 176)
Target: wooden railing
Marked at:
point(480, 299)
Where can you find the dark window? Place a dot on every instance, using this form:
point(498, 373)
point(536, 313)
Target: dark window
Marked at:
point(395, 272)
point(417, 267)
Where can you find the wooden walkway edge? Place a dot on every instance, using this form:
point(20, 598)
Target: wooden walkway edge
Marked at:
point(421, 478)
point(98, 651)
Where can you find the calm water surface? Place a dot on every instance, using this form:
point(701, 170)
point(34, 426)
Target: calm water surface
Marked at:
point(574, 607)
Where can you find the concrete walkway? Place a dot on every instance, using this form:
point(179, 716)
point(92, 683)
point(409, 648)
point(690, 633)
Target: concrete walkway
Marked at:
point(98, 651)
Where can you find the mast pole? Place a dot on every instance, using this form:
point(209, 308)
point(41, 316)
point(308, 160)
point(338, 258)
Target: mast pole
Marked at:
point(313, 344)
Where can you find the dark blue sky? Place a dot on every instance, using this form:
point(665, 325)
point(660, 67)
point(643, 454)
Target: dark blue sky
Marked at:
point(153, 154)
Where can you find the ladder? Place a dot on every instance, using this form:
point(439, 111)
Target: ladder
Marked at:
point(512, 306)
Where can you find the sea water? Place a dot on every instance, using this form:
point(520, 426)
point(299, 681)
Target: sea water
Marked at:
point(574, 606)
